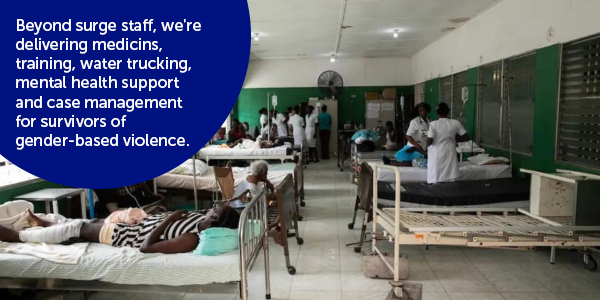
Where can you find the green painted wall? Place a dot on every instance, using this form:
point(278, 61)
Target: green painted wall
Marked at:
point(351, 101)
point(9, 194)
point(432, 95)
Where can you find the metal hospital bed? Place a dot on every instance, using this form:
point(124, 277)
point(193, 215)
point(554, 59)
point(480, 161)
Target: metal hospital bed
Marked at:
point(486, 227)
point(253, 237)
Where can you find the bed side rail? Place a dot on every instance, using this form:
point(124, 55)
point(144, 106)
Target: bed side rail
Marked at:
point(252, 232)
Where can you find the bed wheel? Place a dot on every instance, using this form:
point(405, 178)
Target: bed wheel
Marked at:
point(291, 270)
point(300, 241)
point(268, 296)
point(302, 203)
point(300, 218)
point(357, 249)
point(589, 262)
point(350, 225)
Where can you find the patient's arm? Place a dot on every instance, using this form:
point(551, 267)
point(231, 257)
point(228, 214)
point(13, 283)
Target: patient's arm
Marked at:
point(181, 244)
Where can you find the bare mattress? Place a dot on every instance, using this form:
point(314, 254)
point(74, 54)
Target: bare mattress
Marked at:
point(504, 192)
point(128, 266)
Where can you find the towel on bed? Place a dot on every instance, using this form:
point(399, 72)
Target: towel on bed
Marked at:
point(55, 253)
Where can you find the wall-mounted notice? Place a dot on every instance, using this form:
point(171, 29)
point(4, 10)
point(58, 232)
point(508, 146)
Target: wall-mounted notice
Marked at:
point(373, 107)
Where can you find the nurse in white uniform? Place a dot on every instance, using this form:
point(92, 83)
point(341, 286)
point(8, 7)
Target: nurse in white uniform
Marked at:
point(416, 135)
point(297, 124)
point(442, 137)
point(279, 120)
point(312, 123)
point(264, 121)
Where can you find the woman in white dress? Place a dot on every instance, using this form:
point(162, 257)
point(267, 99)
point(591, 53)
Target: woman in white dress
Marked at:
point(443, 134)
point(312, 124)
point(297, 124)
point(264, 122)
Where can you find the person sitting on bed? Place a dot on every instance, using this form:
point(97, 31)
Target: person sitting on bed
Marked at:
point(237, 131)
point(416, 136)
point(257, 180)
point(177, 232)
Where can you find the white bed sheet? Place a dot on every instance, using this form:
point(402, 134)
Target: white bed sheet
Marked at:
point(128, 266)
point(214, 150)
point(468, 171)
point(207, 182)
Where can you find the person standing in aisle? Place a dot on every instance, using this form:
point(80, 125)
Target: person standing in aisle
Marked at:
point(264, 122)
point(442, 137)
point(297, 124)
point(312, 124)
point(324, 131)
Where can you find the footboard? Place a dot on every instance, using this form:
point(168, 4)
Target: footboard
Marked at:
point(253, 237)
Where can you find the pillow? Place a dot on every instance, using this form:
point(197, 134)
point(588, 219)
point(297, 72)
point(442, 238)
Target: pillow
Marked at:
point(187, 168)
point(217, 240)
point(468, 145)
point(485, 159)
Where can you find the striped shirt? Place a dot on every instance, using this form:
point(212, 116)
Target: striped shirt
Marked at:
point(134, 235)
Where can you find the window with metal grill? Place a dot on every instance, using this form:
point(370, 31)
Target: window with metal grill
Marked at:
point(489, 105)
point(446, 90)
point(457, 106)
point(419, 93)
point(579, 106)
point(519, 83)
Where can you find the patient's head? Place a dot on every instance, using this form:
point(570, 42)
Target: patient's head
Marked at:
point(223, 216)
point(246, 126)
point(259, 169)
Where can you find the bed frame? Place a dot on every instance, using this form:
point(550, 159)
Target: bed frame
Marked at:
point(467, 227)
point(251, 243)
point(302, 153)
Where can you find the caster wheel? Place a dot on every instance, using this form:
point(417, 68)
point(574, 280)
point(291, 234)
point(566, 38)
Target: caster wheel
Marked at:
point(268, 296)
point(302, 198)
point(589, 262)
point(291, 270)
point(357, 249)
point(302, 203)
point(300, 241)
point(300, 218)
point(350, 225)
point(426, 247)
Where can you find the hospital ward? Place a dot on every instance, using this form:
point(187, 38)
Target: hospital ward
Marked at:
point(378, 149)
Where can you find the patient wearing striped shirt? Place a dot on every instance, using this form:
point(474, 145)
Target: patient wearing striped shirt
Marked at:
point(177, 232)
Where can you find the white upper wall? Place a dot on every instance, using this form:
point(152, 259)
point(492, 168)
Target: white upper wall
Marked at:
point(508, 28)
point(304, 73)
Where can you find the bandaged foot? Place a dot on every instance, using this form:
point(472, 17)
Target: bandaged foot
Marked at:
point(35, 221)
point(55, 234)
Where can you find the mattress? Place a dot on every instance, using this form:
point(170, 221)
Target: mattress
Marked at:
point(375, 155)
point(128, 266)
point(214, 150)
point(207, 182)
point(468, 171)
point(460, 194)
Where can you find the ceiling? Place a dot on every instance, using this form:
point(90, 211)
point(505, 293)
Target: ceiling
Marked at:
point(308, 29)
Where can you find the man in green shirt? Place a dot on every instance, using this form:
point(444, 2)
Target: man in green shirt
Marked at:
point(324, 131)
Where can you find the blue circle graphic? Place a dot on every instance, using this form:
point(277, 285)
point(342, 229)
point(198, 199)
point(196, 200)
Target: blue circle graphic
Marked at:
point(202, 62)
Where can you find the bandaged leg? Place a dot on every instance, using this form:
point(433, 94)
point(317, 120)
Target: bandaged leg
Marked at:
point(55, 234)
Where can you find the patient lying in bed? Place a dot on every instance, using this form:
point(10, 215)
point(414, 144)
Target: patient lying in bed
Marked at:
point(260, 143)
point(178, 232)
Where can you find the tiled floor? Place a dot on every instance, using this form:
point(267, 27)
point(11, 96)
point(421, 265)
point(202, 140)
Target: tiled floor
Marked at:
point(327, 269)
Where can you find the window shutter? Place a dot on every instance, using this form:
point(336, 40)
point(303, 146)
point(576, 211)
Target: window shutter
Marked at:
point(579, 107)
